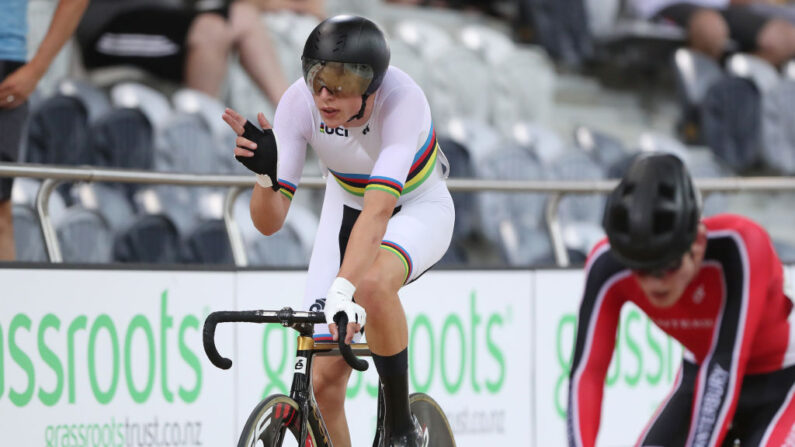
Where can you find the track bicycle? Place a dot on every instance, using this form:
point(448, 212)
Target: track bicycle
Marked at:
point(295, 419)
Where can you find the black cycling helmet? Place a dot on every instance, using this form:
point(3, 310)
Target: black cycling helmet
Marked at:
point(346, 54)
point(651, 217)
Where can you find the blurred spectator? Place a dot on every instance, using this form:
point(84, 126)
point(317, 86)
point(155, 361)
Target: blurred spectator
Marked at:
point(19, 80)
point(710, 24)
point(503, 9)
point(311, 7)
point(182, 44)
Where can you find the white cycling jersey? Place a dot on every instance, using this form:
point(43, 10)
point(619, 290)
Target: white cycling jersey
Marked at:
point(395, 151)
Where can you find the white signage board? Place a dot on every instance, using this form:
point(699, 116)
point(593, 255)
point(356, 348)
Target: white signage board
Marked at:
point(641, 374)
point(111, 358)
point(469, 349)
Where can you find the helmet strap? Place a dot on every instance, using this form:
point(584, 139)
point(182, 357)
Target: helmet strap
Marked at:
point(361, 109)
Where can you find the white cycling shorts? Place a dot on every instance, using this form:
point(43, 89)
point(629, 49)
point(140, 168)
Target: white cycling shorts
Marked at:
point(419, 233)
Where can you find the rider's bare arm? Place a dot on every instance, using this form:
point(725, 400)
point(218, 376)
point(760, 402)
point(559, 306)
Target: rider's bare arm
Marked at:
point(367, 234)
point(268, 209)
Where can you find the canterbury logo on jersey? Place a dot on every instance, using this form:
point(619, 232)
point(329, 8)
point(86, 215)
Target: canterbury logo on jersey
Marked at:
point(341, 131)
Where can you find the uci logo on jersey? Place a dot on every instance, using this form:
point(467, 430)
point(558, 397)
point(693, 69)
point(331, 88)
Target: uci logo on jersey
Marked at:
point(341, 131)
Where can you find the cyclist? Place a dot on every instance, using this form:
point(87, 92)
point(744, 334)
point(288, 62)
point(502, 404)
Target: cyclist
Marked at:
point(387, 215)
point(713, 284)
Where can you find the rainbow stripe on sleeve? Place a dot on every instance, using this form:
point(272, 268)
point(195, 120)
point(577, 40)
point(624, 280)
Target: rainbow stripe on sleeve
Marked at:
point(402, 254)
point(385, 184)
point(287, 188)
point(421, 168)
point(423, 164)
point(352, 183)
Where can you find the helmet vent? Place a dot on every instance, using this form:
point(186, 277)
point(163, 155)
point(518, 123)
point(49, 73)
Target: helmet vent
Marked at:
point(620, 219)
point(663, 222)
point(340, 44)
point(665, 190)
point(629, 188)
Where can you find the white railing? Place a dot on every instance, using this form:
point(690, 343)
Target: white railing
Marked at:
point(52, 176)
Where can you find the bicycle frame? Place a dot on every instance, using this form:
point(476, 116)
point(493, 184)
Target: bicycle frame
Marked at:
point(301, 388)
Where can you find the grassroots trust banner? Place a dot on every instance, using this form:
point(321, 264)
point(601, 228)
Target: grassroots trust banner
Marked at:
point(111, 358)
point(470, 349)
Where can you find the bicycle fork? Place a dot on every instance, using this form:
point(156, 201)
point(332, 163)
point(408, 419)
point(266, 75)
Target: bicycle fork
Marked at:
point(301, 391)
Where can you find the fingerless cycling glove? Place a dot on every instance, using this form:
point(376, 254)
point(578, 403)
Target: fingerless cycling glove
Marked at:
point(265, 155)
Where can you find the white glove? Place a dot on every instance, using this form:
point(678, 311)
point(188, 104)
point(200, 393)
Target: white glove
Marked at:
point(339, 298)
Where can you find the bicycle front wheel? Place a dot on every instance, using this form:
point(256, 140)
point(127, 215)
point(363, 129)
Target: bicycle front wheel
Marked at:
point(430, 415)
point(275, 422)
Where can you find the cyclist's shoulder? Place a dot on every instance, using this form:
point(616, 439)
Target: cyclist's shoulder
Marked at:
point(398, 87)
point(296, 104)
point(297, 92)
point(601, 266)
point(741, 228)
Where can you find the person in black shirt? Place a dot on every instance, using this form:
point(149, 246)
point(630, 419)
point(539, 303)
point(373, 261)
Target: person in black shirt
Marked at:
point(181, 43)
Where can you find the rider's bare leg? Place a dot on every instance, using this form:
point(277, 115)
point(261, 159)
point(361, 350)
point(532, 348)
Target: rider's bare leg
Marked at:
point(329, 381)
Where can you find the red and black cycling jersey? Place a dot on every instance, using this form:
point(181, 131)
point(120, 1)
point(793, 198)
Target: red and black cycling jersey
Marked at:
point(731, 321)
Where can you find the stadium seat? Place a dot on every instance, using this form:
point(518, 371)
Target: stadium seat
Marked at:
point(210, 109)
point(28, 239)
point(427, 40)
point(58, 132)
point(522, 89)
point(281, 26)
point(109, 200)
point(651, 141)
point(789, 70)
point(466, 217)
point(546, 144)
point(25, 190)
point(208, 244)
point(456, 71)
point(695, 73)
point(778, 128)
point(93, 99)
point(603, 148)
point(602, 16)
point(149, 239)
point(123, 138)
point(185, 144)
point(784, 250)
point(244, 96)
point(180, 204)
point(405, 58)
point(760, 72)
point(479, 137)
point(282, 249)
point(515, 221)
point(153, 104)
point(492, 46)
point(576, 165)
point(455, 256)
point(84, 236)
point(304, 223)
point(702, 163)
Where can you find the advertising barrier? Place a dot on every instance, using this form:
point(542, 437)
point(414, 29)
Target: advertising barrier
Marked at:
point(644, 364)
point(111, 359)
point(469, 349)
point(114, 358)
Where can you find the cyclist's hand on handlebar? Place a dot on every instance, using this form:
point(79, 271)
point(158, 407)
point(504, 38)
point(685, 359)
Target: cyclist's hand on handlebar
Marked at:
point(256, 149)
point(340, 299)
